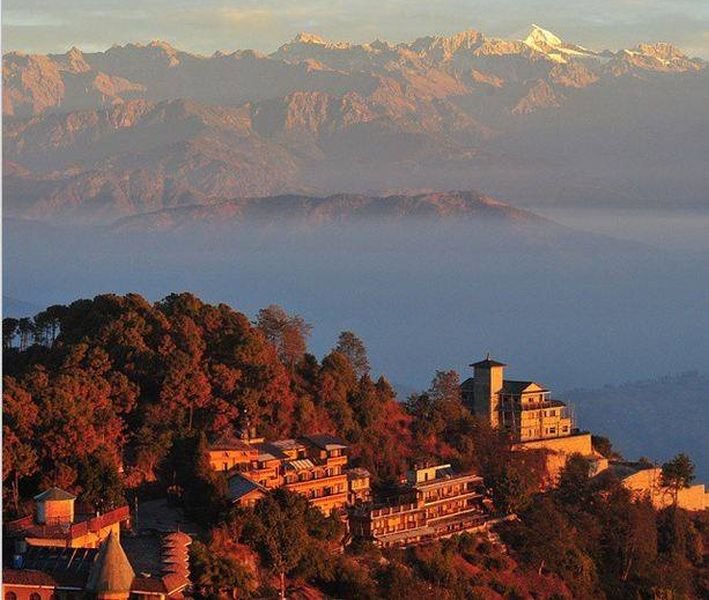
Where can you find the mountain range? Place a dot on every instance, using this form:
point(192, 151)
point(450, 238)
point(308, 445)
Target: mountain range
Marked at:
point(139, 128)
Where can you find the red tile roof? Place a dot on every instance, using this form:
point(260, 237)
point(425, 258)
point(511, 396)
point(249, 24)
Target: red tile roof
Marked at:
point(27, 577)
point(148, 585)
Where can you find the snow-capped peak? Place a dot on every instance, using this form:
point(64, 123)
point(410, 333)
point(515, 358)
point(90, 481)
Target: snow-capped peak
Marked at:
point(552, 46)
point(310, 38)
point(542, 37)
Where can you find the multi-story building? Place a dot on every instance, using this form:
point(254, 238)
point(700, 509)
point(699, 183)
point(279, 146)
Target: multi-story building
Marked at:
point(59, 552)
point(523, 408)
point(103, 573)
point(314, 465)
point(359, 486)
point(436, 502)
point(56, 522)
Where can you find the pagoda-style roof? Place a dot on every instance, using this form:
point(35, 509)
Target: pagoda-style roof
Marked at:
point(178, 537)
point(112, 572)
point(54, 493)
point(487, 363)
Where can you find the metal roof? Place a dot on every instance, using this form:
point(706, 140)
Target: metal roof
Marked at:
point(301, 464)
point(239, 486)
point(267, 451)
point(289, 444)
point(54, 493)
point(326, 441)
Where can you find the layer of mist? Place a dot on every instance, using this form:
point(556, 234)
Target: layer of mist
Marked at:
point(567, 308)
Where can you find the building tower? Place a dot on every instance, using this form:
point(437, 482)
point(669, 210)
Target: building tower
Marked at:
point(55, 507)
point(111, 576)
point(488, 379)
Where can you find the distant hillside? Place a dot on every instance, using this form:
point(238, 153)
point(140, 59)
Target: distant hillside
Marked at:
point(340, 208)
point(139, 128)
point(656, 418)
point(12, 307)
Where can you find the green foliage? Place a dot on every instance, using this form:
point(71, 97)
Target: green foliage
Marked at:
point(603, 445)
point(214, 572)
point(201, 490)
point(678, 474)
point(289, 535)
point(101, 485)
point(353, 348)
point(604, 543)
point(117, 364)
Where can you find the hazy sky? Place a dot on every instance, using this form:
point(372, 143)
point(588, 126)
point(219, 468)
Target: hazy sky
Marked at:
point(208, 25)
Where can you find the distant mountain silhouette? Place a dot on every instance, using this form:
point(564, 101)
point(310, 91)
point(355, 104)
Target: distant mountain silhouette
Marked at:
point(339, 208)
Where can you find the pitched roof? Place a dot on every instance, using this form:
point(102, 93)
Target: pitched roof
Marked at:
point(27, 577)
point(510, 386)
point(267, 451)
point(174, 582)
point(228, 441)
point(289, 444)
point(239, 486)
point(112, 572)
point(54, 493)
point(326, 441)
point(358, 473)
point(148, 585)
point(67, 567)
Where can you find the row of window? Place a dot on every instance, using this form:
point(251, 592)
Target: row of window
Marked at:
point(33, 596)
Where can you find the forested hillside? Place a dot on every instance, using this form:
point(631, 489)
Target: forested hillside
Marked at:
point(114, 398)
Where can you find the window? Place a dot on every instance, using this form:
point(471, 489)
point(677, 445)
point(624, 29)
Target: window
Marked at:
point(225, 466)
point(35, 596)
point(552, 430)
point(11, 596)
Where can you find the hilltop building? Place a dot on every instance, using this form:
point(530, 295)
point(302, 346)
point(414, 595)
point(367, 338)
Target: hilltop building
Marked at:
point(313, 465)
point(526, 411)
point(436, 502)
point(104, 573)
point(56, 522)
point(523, 408)
point(645, 481)
point(59, 552)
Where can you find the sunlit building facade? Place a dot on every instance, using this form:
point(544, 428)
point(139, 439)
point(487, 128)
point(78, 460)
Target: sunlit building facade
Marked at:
point(436, 502)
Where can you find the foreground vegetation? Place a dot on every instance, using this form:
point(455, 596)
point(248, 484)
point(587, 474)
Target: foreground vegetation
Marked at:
point(114, 398)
